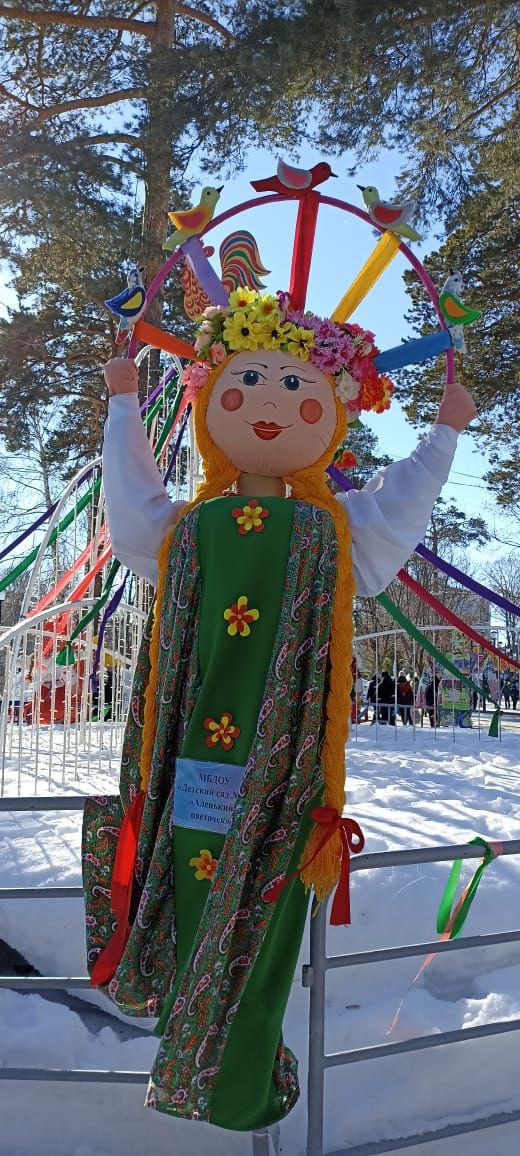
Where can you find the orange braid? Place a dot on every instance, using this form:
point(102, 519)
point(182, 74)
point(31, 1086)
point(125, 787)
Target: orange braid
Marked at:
point(310, 486)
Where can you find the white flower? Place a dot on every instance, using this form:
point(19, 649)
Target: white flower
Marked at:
point(347, 388)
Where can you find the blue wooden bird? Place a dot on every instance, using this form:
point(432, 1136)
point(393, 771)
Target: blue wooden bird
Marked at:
point(130, 304)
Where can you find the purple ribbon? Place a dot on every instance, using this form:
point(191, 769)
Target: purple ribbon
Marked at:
point(50, 510)
point(112, 606)
point(465, 580)
point(177, 446)
point(35, 526)
point(117, 597)
point(439, 563)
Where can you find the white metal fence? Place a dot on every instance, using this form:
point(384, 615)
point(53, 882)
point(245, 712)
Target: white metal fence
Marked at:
point(84, 739)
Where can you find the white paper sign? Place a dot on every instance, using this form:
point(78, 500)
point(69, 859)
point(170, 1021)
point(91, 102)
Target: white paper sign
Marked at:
point(204, 794)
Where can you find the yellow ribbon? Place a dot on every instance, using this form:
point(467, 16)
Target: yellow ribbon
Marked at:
point(386, 248)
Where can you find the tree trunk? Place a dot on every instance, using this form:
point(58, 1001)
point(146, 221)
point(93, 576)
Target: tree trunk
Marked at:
point(157, 147)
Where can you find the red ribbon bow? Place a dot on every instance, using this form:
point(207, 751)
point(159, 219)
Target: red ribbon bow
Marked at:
point(121, 892)
point(352, 841)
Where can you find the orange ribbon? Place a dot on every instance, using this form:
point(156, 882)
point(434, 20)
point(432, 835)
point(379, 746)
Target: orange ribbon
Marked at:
point(352, 842)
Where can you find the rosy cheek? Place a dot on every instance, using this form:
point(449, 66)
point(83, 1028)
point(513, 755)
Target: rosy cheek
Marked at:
point(311, 410)
point(231, 399)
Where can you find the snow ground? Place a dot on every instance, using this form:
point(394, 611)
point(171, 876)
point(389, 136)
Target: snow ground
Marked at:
point(407, 791)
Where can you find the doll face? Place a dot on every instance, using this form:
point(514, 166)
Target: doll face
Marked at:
point(270, 413)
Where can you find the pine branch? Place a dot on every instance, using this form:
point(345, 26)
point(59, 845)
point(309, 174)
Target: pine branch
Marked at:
point(203, 18)
point(42, 18)
point(138, 170)
point(494, 100)
point(54, 110)
point(114, 23)
point(110, 138)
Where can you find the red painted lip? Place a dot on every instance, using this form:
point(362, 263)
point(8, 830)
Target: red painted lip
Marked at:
point(267, 430)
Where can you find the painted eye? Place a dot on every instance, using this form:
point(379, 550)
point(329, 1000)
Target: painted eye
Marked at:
point(291, 381)
point(250, 377)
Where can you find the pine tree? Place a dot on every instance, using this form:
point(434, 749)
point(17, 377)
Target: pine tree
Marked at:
point(104, 107)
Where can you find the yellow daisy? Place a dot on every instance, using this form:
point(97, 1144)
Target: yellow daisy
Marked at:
point(273, 336)
point(241, 331)
point(242, 298)
point(298, 341)
point(266, 308)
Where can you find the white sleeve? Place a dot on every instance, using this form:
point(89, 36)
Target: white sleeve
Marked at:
point(390, 515)
point(139, 511)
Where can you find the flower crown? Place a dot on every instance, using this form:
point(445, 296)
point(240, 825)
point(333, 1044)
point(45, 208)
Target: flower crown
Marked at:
point(254, 321)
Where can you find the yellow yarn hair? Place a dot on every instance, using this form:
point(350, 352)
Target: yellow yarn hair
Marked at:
point(150, 714)
point(308, 485)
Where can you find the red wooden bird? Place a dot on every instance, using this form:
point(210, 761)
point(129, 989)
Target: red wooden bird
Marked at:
point(294, 182)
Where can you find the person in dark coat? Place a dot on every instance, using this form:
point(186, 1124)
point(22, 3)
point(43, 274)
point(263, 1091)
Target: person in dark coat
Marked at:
point(404, 698)
point(386, 698)
point(514, 694)
point(506, 692)
point(431, 698)
point(371, 697)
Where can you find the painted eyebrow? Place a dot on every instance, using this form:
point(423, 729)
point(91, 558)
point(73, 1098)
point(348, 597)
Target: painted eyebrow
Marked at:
point(297, 372)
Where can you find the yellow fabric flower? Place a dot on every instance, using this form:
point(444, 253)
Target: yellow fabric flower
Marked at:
point(224, 732)
point(241, 331)
point(273, 336)
point(267, 309)
point(239, 616)
point(298, 341)
point(242, 298)
point(250, 517)
point(205, 864)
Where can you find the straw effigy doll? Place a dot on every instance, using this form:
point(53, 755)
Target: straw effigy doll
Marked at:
point(233, 767)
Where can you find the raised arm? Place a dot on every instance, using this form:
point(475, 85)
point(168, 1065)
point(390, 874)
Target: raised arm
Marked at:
point(390, 515)
point(139, 511)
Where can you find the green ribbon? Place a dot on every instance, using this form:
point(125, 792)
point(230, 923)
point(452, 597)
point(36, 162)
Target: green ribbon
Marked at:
point(66, 656)
point(440, 658)
point(459, 915)
point(65, 522)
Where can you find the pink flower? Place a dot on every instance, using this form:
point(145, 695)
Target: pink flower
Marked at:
point(215, 311)
point(194, 378)
point(200, 342)
point(327, 331)
point(306, 320)
point(283, 300)
point(346, 347)
point(217, 352)
point(326, 358)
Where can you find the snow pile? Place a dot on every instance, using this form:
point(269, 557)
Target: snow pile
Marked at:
point(406, 791)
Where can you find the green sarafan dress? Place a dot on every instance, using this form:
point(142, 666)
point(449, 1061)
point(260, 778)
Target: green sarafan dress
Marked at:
point(245, 625)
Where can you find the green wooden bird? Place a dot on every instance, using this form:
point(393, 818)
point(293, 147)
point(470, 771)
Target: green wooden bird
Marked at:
point(389, 215)
point(192, 222)
point(450, 304)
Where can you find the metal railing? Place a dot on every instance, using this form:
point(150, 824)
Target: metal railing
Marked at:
point(314, 976)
